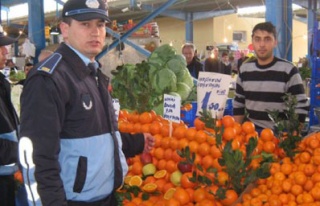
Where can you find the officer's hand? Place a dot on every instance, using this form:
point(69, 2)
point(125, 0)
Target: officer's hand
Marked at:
point(149, 142)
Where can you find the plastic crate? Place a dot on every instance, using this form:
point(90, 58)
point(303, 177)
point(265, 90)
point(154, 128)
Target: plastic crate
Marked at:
point(189, 116)
point(228, 110)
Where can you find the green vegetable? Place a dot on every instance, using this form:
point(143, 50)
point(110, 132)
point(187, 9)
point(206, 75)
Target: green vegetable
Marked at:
point(141, 87)
point(183, 90)
point(164, 81)
point(17, 76)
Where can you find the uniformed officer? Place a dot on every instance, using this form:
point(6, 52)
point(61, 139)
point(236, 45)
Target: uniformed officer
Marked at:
point(8, 131)
point(70, 148)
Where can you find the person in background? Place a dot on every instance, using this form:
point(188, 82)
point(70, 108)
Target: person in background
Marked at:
point(12, 65)
point(71, 151)
point(44, 54)
point(263, 82)
point(241, 60)
point(8, 132)
point(193, 64)
point(27, 68)
point(211, 64)
point(225, 64)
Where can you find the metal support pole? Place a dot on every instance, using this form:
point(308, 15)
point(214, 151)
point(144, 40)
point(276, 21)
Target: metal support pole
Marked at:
point(36, 25)
point(136, 27)
point(279, 12)
point(137, 47)
point(189, 27)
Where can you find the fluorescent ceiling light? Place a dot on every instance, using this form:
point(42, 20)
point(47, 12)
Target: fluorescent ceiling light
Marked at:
point(260, 9)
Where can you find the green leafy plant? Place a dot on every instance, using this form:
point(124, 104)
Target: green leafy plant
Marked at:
point(142, 86)
point(288, 128)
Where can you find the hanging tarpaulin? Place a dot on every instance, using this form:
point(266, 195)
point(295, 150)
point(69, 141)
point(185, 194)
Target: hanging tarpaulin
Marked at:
point(28, 49)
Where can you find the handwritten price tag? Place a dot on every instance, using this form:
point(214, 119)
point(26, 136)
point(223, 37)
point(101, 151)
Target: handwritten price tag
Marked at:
point(171, 108)
point(212, 90)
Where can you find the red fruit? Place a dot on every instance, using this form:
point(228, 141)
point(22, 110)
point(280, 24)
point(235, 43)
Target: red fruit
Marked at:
point(146, 158)
point(184, 167)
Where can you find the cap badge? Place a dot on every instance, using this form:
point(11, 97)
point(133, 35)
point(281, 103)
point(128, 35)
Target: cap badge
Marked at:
point(93, 4)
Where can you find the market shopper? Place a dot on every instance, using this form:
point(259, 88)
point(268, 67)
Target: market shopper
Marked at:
point(27, 67)
point(193, 64)
point(8, 132)
point(212, 63)
point(263, 82)
point(70, 148)
point(225, 64)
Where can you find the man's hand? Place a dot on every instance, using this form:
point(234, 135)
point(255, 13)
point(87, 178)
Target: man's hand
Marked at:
point(149, 142)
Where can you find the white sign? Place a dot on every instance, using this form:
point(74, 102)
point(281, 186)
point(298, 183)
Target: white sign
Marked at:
point(171, 108)
point(212, 90)
point(116, 106)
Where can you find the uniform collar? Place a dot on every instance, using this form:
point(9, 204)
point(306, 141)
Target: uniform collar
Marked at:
point(77, 64)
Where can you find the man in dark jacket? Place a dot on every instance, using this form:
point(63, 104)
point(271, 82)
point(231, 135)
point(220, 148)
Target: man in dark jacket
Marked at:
point(193, 64)
point(71, 150)
point(212, 63)
point(8, 132)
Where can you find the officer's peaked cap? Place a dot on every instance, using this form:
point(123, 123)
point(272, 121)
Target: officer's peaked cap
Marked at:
point(84, 10)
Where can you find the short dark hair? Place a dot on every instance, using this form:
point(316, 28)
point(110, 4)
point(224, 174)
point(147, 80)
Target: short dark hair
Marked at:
point(265, 26)
point(224, 54)
point(66, 20)
point(28, 64)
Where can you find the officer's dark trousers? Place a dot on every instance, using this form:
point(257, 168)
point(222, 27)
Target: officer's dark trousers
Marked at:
point(7, 191)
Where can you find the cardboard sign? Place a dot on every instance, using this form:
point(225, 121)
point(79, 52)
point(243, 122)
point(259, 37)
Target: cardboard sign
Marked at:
point(171, 108)
point(116, 106)
point(212, 90)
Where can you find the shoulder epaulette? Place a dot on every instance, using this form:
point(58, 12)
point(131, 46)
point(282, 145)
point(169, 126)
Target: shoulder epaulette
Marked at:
point(50, 64)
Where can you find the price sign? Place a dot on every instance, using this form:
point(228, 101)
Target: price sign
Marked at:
point(212, 91)
point(171, 108)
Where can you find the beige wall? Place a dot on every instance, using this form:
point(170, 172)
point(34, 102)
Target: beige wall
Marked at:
point(214, 30)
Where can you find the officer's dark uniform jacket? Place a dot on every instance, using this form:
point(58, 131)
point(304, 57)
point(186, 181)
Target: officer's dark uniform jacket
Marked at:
point(8, 130)
point(64, 117)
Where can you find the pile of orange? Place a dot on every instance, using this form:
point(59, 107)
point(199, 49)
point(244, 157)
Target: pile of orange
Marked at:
point(292, 182)
point(171, 137)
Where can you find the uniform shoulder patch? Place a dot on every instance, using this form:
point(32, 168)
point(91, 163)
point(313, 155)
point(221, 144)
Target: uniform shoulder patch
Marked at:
point(50, 64)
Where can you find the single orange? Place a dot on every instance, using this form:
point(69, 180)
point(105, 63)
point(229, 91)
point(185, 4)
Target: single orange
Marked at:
point(231, 197)
point(305, 157)
point(199, 194)
point(269, 146)
point(215, 151)
point(201, 136)
point(161, 164)
point(181, 195)
point(207, 161)
point(186, 182)
point(149, 187)
point(193, 146)
point(204, 149)
point(180, 132)
point(160, 174)
point(145, 118)
point(228, 121)
point(159, 153)
point(267, 134)
point(191, 133)
point(137, 168)
point(171, 166)
point(199, 125)
point(169, 194)
point(149, 179)
point(248, 127)
point(135, 181)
